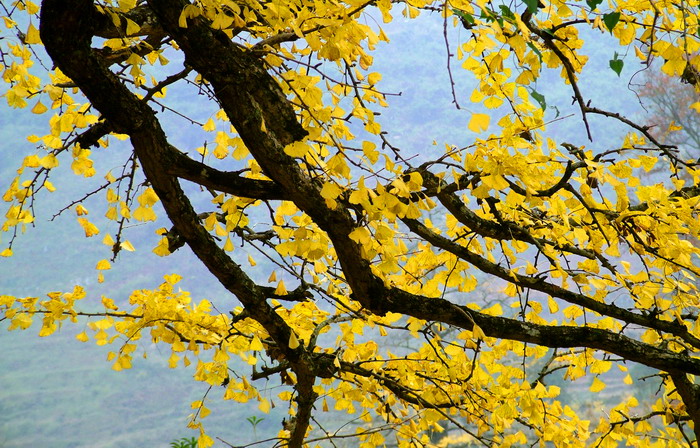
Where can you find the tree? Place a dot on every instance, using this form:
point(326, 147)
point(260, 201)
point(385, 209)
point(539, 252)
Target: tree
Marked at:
point(672, 115)
point(596, 267)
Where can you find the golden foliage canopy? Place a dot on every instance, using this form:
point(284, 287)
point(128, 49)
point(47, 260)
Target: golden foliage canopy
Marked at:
point(591, 263)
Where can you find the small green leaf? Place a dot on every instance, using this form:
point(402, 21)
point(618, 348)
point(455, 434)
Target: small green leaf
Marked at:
point(466, 18)
point(489, 16)
point(539, 98)
point(532, 5)
point(463, 15)
point(593, 4)
point(617, 64)
point(506, 12)
point(611, 19)
point(556, 109)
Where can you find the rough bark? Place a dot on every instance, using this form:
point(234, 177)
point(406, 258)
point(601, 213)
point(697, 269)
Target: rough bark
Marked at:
point(267, 122)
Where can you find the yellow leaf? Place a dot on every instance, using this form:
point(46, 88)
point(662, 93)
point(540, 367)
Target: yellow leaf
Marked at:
point(48, 327)
point(148, 198)
point(89, 228)
point(31, 161)
point(205, 441)
point(478, 332)
point(126, 5)
point(39, 108)
point(374, 78)
point(597, 385)
point(296, 149)
point(49, 161)
point(144, 214)
point(369, 150)
point(6, 253)
point(330, 190)
point(188, 12)
point(82, 337)
point(281, 290)
point(479, 122)
point(162, 248)
point(126, 245)
point(109, 303)
point(32, 36)
point(209, 125)
point(132, 28)
point(107, 240)
point(256, 345)
point(293, 341)
point(674, 66)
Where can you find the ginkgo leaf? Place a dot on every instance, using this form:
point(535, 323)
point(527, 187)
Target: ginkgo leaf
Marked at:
point(293, 341)
point(108, 240)
point(39, 108)
point(256, 344)
point(89, 228)
point(162, 249)
point(374, 78)
point(330, 190)
point(478, 332)
point(281, 289)
point(32, 36)
point(296, 149)
point(479, 122)
point(49, 161)
point(82, 337)
point(597, 385)
point(264, 406)
point(204, 441)
point(304, 162)
point(209, 125)
point(148, 198)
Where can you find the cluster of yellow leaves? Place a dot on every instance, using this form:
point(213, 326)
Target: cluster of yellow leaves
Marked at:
point(58, 307)
point(24, 85)
point(480, 379)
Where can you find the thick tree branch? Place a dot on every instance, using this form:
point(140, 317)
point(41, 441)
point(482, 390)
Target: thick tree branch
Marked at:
point(539, 284)
point(441, 310)
point(690, 392)
point(66, 28)
point(266, 122)
point(233, 183)
point(142, 15)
